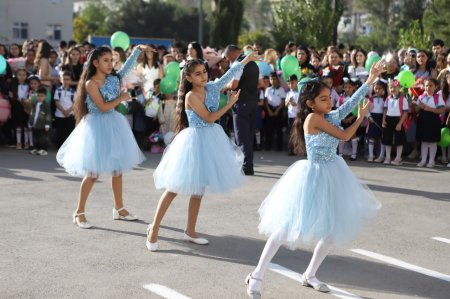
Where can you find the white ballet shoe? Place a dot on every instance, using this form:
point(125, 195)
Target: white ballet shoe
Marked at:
point(254, 294)
point(314, 283)
point(76, 220)
point(117, 216)
point(199, 241)
point(150, 246)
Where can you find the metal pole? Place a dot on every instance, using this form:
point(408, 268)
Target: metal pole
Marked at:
point(200, 22)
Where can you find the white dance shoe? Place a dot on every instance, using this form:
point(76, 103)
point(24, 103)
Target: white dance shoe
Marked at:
point(314, 283)
point(117, 216)
point(199, 241)
point(254, 294)
point(76, 220)
point(150, 246)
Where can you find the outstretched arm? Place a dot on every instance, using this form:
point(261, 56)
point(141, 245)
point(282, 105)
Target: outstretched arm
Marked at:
point(238, 67)
point(348, 106)
point(199, 107)
point(131, 61)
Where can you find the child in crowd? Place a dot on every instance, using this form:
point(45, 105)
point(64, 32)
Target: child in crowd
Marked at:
point(40, 121)
point(374, 128)
point(260, 114)
point(350, 87)
point(64, 119)
point(19, 95)
point(275, 96)
point(395, 113)
point(167, 114)
point(152, 107)
point(291, 104)
point(429, 106)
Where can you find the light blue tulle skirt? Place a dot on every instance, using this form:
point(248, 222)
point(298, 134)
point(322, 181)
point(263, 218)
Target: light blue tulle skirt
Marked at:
point(102, 143)
point(314, 200)
point(199, 160)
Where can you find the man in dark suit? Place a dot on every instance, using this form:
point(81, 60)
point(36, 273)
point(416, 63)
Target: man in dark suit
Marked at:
point(245, 108)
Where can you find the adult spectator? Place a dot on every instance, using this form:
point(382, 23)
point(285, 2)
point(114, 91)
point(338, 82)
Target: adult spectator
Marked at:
point(245, 108)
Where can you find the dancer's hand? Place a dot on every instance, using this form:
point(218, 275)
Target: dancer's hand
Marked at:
point(124, 95)
point(234, 96)
point(250, 57)
point(363, 109)
point(376, 71)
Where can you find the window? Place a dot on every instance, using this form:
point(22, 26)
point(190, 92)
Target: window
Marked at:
point(20, 30)
point(54, 32)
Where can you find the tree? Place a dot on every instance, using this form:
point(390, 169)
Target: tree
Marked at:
point(91, 20)
point(307, 22)
point(436, 19)
point(225, 22)
point(260, 37)
point(414, 36)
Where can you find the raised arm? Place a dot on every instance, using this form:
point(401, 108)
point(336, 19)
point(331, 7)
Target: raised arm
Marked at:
point(131, 61)
point(348, 106)
point(228, 76)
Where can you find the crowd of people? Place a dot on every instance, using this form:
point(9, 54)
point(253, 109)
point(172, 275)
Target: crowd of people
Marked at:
point(36, 65)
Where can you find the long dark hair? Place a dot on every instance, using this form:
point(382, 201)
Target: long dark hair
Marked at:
point(198, 49)
point(445, 87)
point(309, 91)
point(184, 88)
point(43, 51)
point(89, 70)
point(154, 57)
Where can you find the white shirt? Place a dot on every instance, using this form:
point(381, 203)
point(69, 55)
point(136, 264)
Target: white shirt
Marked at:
point(22, 91)
point(66, 98)
point(392, 105)
point(377, 106)
point(429, 101)
point(36, 114)
point(292, 110)
point(275, 96)
point(151, 109)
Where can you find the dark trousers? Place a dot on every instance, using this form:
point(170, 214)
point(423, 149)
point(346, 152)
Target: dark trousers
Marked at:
point(274, 125)
point(244, 130)
point(64, 126)
point(40, 139)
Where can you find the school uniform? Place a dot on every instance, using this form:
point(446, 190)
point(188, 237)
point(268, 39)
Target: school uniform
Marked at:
point(429, 123)
point(393, 115)
point(376, 112)
point(64, 124)
point(275, 97)
point(40, 120)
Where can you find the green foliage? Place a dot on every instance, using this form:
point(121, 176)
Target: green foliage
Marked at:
point(140, 18)
point(436, 19)
point(414, 36)
point(259, 37)
point(317, 27)
point(226, 21)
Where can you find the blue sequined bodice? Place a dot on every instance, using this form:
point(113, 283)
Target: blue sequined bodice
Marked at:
point(111, 88)
point(213, 96)
point(321, 147)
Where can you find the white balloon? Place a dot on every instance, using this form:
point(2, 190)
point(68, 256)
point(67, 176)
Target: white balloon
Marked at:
point(168, 137)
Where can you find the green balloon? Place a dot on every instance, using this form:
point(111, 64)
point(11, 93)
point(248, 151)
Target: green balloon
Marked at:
point(289, 64)
point(173, 70)
point(371, 60)
point(168, 85)
point(445, 137)
point(298, 73)
point(120, 39)
point(355, 111)
point(406, 78)
point(223, 101)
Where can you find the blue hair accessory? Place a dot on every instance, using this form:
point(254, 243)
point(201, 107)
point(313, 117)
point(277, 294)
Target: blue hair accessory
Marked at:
point(306, 80)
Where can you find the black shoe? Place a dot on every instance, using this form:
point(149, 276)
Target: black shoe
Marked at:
point(258, 147)
point(352, 158)
point(249, 172)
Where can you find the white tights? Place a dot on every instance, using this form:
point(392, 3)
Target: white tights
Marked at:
point(270, 249)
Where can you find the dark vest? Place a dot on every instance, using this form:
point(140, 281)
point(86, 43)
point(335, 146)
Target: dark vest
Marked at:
point(248, 84)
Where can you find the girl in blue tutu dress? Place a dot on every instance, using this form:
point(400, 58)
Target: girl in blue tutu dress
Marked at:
point(201, 157)
point(318, 199)
point(102, 142)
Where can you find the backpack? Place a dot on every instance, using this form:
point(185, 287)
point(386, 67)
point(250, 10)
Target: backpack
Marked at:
point(407, 121)
point(436, 101)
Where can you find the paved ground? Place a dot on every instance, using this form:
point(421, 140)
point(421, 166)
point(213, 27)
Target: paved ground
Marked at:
point(43, 255)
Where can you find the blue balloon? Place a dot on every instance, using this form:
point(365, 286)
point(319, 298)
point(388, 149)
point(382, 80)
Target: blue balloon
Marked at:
point(2, 64)
point(264, 68)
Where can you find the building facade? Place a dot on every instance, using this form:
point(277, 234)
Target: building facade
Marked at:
point(51, 20)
